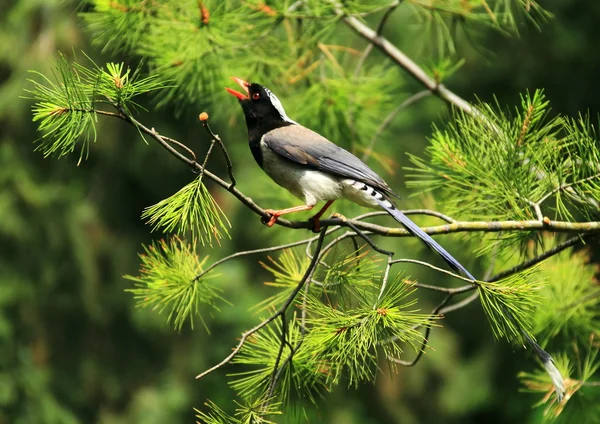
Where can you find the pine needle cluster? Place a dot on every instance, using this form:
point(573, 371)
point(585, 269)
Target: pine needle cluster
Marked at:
point(67, 108)
point(351, 340)
point(198, 45)
point(572, 290)
point(348, 326)
point(167, 283)
point(510, 304)
point(191, 209)
point(67, 105)
point(513, 166)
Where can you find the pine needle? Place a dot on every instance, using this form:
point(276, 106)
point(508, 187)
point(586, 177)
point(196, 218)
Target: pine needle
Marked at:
point(167, 283)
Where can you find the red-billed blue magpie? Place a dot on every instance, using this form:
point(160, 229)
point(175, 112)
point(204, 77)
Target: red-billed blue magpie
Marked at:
point(316, 170)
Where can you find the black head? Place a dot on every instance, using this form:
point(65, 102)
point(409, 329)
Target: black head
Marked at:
point(262, 109)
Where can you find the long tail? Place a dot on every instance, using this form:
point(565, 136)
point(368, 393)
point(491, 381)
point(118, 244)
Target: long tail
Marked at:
point(414, 229)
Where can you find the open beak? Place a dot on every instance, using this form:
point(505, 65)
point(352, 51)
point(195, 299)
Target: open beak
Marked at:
point(237, 94)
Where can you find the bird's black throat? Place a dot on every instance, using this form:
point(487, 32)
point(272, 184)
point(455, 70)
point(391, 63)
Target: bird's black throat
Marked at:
point(257, 128)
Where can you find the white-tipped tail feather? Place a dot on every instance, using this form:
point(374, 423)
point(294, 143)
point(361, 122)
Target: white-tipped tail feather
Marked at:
point(551, 369)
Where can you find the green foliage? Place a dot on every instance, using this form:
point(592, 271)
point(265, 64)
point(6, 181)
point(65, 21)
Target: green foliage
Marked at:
point(301, 376)
point(190, 43)
point(440, 19)
point(119, 25)
point(343, 105)
point(167, 282)
point(573, 291)
point(347, 339)
point(251, 413)
point(67, 109)
point(582, 395)
point(288, 271)
point(191, 209)
point(502, 164)
point(347, 274)
point(350, 327)
point(510, 304)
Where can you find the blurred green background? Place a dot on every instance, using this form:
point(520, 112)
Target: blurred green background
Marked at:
point(74, 349)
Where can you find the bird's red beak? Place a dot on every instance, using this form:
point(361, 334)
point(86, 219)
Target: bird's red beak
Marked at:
point(237, 94)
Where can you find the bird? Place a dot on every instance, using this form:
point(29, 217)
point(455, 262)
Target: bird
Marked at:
point(315, 169)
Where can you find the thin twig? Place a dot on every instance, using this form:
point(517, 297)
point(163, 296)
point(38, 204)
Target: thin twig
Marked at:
point(454, 227)
point(236, 350)
point(528, 264)
point(459, 305)
point(208, 152)
point(255, 251)
point(457, 290)
point(334, 242)
point(281, 311)
point(181, 145)
point(476, 226)
point(386, 274)
point(536, 207)
point(379, 30)
point(218, 140)
point(267, 321)
point(388, 120)
point(406, 63)
point(363, 236)
point(435, 312)
point(566, 186)
point(427, 264)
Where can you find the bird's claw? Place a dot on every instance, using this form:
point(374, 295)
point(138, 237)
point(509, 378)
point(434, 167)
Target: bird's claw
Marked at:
point(314, 224)
point(272, 219)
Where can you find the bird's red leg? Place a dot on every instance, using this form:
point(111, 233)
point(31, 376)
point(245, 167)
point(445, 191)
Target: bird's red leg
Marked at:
point(276, 214)
point(316, 220)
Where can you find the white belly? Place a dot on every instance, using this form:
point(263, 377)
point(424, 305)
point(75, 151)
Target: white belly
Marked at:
point(310, 185)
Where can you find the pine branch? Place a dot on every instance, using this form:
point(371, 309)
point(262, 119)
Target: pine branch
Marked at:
point(279, 313)
point(217, 139)
point(406, 63)
point(534, 261)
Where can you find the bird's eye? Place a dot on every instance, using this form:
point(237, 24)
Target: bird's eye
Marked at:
point(256, 96)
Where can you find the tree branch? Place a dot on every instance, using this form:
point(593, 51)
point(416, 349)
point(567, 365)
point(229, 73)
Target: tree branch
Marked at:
point(388, 120)
point(454, 227)
point(217, 139)
point(407, 64)
point(528, 264)
point(280, 312)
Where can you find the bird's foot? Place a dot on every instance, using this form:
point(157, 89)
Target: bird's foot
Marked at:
point(339, 216)
point(273, 217)
point(314, 224)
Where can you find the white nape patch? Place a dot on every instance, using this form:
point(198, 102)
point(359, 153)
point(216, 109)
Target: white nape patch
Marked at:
point(275, 101)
